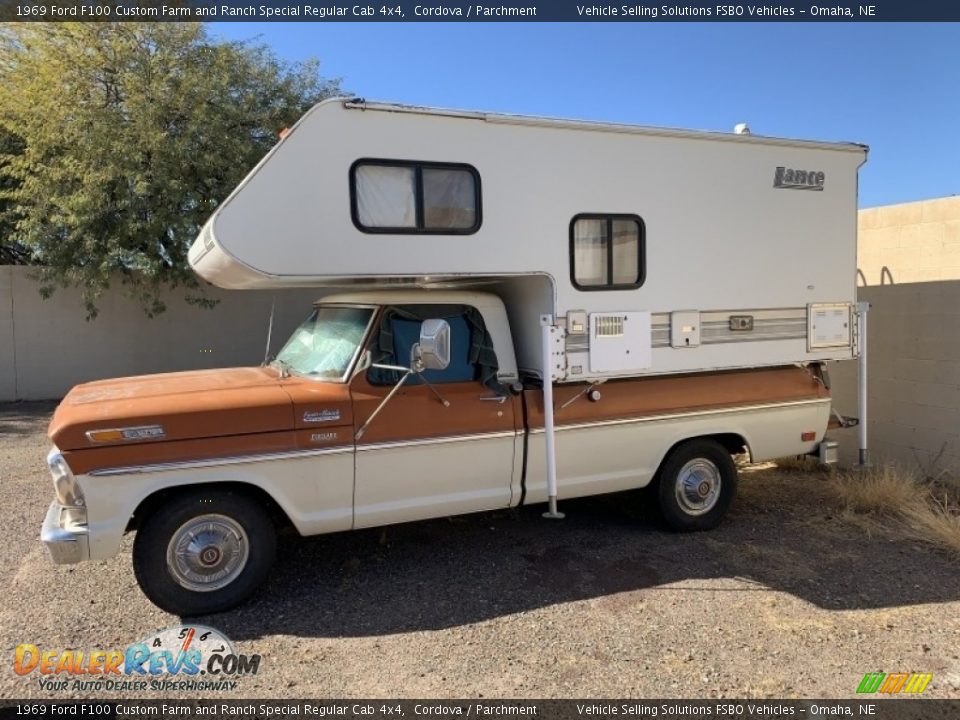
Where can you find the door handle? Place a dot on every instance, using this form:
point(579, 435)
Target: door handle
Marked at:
point(494, 398)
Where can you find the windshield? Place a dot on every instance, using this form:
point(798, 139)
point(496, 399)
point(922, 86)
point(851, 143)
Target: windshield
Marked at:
point(326, 342)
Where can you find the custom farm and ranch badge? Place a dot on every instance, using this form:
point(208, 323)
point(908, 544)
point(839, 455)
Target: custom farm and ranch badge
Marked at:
point(182, 657)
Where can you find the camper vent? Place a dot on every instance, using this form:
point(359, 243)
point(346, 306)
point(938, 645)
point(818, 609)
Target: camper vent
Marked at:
point(620, 342)
point(608, 326)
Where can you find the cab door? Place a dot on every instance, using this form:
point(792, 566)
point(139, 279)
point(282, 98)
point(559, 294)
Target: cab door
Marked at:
point(426, 456)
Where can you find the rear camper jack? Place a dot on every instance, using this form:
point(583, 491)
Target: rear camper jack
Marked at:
point(862, 309)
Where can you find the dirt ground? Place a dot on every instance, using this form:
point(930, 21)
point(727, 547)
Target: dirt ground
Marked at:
point(785, 599)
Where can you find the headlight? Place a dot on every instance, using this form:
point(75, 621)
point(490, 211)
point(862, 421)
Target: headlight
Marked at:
point(64, 483)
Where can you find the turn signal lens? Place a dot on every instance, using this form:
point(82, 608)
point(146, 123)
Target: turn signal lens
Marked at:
point(808, 436)
point(104, 435)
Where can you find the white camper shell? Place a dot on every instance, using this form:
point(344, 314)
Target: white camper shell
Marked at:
point(728, 251)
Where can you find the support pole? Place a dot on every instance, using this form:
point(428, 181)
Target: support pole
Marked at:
point(546, 332)
point(862, 309)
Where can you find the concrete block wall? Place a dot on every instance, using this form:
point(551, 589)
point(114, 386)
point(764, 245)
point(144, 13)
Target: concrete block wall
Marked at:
point(48, 346)
point(913, 391)
point(909, 270)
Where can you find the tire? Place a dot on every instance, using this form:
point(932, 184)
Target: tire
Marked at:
point(226, 545)
point(697, 484)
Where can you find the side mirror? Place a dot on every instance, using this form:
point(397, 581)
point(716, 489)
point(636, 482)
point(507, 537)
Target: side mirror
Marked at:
point(433, 350)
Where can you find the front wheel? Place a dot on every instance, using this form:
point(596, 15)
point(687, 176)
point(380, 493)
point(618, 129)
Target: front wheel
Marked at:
point(697, 484)
point(203, 552)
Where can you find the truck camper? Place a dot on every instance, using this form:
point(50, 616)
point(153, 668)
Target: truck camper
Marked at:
point(511, 310)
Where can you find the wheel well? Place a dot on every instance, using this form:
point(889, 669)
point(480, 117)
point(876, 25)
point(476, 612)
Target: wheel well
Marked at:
point(150, 503)
point(731, 442)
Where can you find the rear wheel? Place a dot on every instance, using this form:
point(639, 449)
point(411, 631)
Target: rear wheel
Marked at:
point(203, 552)
point(697, 484)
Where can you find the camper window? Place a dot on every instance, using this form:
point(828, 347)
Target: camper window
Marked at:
point(392, 196)
point(385, 196)
point(606, 252)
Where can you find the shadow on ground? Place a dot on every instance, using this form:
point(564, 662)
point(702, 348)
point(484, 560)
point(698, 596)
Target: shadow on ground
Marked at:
point(438, 574)
point(25, 418)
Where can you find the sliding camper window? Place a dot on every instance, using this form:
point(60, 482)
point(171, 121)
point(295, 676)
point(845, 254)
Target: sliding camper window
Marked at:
point(392, 196)
point(607, 252)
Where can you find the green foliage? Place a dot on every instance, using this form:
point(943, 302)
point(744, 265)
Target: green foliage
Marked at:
point(117, 140)
point(12, 252)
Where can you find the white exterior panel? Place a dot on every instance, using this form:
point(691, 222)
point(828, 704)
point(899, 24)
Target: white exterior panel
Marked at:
point(413, 481)
point(620, 455)
point(314, 490)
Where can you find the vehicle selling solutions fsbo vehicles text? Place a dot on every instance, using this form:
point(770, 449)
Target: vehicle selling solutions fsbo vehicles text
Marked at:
point(654, 11)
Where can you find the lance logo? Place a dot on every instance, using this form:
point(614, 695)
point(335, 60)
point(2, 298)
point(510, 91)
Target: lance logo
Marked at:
point(899, 682)
point(791, 179)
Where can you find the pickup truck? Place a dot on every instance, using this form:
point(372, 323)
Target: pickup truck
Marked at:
point(387, 406)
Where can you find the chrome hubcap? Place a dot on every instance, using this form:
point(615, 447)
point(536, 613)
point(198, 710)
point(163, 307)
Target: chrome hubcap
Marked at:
point(698, 486)
point(208, 552)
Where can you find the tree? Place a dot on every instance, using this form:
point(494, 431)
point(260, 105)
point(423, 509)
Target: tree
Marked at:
point(12, 252)
point(117, 140)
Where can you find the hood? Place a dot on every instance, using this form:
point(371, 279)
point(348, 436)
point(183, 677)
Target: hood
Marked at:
point(186, 405)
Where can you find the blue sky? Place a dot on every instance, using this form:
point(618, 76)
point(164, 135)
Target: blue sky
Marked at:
point(895, 87)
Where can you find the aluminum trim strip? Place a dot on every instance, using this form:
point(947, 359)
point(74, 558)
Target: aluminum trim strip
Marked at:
point(436, 441)
point(685, 415)
point(769, 324)
point(212, 462)
point(573, 124)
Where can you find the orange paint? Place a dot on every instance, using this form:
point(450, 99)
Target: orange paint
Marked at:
point(27, 658)
point(112, 662)
point(96, 662)
point(47, 661)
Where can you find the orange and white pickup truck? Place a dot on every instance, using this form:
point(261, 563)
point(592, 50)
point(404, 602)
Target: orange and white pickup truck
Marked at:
point(530, 309)
point(337, 434)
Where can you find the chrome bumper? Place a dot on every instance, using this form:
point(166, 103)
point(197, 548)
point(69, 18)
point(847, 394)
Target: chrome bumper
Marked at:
point(70, 544)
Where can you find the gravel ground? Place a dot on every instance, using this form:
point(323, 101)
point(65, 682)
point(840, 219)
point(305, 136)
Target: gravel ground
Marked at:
point(785, 599)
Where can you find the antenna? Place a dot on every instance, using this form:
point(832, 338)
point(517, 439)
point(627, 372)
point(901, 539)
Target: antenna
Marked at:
point(266, 353)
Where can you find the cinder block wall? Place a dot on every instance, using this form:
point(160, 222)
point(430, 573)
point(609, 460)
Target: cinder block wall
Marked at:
point(909, 243)
point(47, 346)
point(909, 270)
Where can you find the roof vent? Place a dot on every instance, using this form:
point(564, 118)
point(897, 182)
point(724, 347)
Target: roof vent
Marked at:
point(741, 129)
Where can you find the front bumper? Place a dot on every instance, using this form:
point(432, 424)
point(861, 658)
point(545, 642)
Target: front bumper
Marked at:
point(66, 543)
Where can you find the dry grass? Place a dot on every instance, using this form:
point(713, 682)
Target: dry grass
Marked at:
point(936, 522)
point(800, 463)
point(885, 491)
point(902, 502)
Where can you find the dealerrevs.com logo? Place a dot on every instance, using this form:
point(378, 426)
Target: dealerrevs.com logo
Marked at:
point(182, 657)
